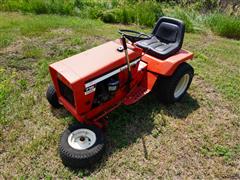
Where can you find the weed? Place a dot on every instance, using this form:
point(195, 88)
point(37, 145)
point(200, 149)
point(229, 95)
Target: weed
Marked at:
point(23, 84)
point(226, 26)
point(220, 151)
point(32, 52)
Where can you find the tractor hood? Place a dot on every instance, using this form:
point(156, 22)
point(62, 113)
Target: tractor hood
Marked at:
point(94, 62)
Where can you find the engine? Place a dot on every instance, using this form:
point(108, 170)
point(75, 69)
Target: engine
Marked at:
point(105, 90)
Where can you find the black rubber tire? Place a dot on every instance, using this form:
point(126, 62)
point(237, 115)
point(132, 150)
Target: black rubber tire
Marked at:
point(167, 85)
point(76, 159)
point(52, 97)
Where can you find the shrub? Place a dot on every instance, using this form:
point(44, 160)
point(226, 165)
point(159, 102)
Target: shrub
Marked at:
point(37, 6)
point(142, 13)
point(223, 25)
point(109, 16)
point(127, 16)
point(125, 11)
point(185, 17)
point(148, 12)
point(206, 5)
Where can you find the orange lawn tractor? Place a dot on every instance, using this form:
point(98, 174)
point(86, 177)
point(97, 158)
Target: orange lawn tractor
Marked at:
point(93, 83)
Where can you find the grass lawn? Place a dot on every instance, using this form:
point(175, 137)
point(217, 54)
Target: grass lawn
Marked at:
point(196, 138)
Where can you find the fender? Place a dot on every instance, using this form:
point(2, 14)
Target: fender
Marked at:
point(168, 66)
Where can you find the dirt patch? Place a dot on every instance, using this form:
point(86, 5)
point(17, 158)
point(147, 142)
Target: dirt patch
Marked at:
point(14, 48)
point(62, 31)
point(21, 55)
point(215, 97)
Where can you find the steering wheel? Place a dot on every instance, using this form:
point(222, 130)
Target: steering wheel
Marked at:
point(133, 36)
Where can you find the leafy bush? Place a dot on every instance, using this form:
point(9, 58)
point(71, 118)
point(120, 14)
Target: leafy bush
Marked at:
point(148, 12)
point(226, 26)
point(206, 5)
point(186, 18)
point(125, 11)
point(110, 16)
point(142, 13)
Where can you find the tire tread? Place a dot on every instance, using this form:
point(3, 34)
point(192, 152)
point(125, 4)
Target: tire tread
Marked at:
point(52, 97)
point(81, 159)
point(167, 85)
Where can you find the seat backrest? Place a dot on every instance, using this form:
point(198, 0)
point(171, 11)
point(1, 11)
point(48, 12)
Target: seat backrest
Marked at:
point(169, 30)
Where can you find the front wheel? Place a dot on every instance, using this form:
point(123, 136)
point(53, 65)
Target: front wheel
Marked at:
point(52, 97)
point(172, 89)
point(81, 146)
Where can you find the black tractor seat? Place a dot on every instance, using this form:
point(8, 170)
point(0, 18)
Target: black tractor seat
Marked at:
point(166, 39)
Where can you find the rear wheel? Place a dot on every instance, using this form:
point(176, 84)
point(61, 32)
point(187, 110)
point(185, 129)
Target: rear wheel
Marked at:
point(172, 89)
point(52, 96)
point(81, 146)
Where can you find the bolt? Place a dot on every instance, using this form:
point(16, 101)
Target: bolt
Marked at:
point(82, 138)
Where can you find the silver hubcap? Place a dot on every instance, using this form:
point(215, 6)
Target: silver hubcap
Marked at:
point(181, 86)
point(81, 139)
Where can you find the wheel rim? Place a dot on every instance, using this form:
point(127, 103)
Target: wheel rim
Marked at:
point(181, 86)
point(82, 139)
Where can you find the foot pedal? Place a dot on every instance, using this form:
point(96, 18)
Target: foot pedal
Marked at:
point(135, 95)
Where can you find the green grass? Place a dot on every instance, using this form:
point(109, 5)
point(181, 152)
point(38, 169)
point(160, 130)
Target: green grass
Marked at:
point(197, 16)
point(40, 7)
point(221, 151)
point(126, 12)
point(6, 89)
point(219, 64)
point(196, 138)
point(34, 25)
point(226, 26)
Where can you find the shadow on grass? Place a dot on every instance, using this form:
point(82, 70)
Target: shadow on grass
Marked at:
point(183, 108)
point(131, 123)
point(127, 124)
point(60, 113)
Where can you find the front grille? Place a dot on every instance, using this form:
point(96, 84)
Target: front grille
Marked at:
point(66, 92)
